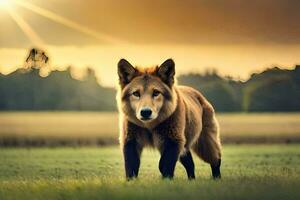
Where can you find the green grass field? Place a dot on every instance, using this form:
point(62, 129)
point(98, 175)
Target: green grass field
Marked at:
point(248, 172)
point(253, 171)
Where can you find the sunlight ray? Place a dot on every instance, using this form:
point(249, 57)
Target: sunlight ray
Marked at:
point(26, 28)
point(69, 23)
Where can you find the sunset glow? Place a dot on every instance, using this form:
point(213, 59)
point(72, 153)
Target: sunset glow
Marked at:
point(4, 3)
point(97, 34)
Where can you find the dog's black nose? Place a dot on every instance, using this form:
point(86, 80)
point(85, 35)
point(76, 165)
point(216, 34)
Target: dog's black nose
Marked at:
point(146, 113)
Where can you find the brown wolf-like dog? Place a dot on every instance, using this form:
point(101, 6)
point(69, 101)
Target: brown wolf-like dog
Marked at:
point(155, 112)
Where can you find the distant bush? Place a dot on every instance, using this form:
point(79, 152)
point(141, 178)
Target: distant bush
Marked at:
point(220, 92)
point(273, 90)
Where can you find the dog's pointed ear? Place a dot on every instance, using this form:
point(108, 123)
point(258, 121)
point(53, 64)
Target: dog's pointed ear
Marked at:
point(166, 72)
point(126, 72)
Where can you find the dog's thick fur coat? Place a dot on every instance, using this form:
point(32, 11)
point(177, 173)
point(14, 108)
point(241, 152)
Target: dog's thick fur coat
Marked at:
point(185, 120)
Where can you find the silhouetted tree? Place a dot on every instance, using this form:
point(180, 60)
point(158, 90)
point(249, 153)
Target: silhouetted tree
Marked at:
point(36, 58)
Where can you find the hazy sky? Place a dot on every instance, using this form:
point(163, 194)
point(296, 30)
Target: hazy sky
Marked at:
point(234, 36)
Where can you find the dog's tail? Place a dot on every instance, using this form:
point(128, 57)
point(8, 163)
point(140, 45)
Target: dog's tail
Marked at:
point(208, 145)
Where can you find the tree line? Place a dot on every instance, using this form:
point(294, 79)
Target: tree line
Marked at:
point(272, 90)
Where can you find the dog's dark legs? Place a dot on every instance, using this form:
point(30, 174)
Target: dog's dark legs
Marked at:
point(169, 157)
point(188, 163)
point(131, 152)
point(215, 169)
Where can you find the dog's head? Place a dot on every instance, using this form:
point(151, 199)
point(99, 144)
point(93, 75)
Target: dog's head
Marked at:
point(147, 95)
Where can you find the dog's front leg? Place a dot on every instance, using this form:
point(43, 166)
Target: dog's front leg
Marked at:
point(131, 151)
point(169, 157)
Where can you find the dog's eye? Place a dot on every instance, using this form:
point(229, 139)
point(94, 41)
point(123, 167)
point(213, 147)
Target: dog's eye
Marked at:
point(136, 94)
point(155, 93)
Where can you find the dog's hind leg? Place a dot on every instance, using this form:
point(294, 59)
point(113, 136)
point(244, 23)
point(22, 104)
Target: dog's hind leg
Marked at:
point(208, 145)
point(188, 163)
point(215, 169)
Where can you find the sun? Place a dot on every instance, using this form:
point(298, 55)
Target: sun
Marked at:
point(4, 3)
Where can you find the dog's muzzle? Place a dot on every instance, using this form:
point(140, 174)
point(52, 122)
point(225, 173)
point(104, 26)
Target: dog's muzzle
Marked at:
point(145, 114)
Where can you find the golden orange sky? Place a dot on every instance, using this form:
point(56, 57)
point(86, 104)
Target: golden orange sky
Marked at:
point(234, 36)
